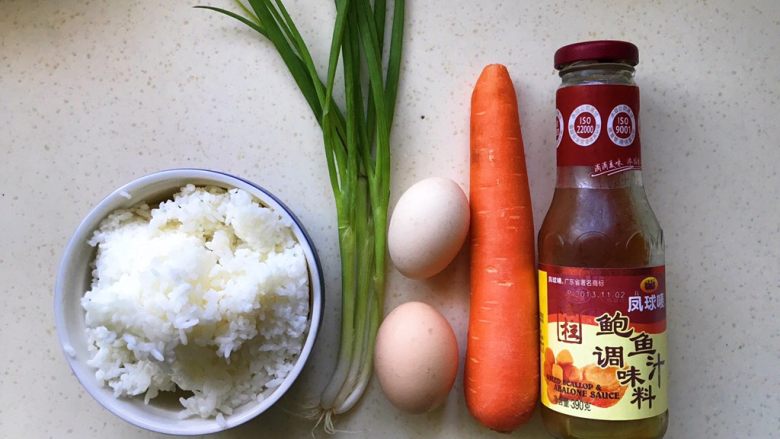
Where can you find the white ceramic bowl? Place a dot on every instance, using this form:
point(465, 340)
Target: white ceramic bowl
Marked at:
point(74, 278)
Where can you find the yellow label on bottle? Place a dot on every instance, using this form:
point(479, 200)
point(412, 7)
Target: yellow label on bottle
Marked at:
point(603, 342)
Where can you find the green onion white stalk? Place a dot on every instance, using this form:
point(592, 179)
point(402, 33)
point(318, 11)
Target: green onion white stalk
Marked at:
point(357, 152)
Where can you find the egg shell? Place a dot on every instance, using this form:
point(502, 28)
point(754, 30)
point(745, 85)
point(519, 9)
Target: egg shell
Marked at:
point(416, 357)
point(428, 227)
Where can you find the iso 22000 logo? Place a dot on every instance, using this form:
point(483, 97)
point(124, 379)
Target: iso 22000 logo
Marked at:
point(584, 125)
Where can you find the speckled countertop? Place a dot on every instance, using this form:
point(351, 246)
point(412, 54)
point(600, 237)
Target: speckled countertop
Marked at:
point(94, 94)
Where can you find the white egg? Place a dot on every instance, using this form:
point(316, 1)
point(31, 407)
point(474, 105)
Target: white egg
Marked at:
point(428, 227)
point(416, 357)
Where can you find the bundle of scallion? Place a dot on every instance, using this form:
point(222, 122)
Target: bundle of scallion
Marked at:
point(357, 152)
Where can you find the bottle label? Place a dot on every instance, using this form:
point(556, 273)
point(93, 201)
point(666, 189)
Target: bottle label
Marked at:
point(603, 341)
point(598, 126)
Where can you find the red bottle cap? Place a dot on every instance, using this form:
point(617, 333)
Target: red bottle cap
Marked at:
point(601, 50)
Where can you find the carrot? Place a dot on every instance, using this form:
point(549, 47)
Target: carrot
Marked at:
point(501, 377)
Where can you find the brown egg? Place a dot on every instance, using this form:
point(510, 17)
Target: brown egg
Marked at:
point(428, 227)
point(416, 357)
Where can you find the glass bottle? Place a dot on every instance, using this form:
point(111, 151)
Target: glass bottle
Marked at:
point(601, 255)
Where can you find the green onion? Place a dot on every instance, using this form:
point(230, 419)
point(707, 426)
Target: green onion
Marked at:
point(356, 139)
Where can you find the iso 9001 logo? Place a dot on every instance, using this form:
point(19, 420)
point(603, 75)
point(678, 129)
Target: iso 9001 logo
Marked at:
point(621, 126)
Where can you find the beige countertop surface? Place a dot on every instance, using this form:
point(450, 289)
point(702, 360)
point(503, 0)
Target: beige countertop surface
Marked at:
point(96, 93)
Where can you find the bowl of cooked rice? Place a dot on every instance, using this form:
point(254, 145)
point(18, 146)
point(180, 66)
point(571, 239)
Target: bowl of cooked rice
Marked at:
point(188, 301)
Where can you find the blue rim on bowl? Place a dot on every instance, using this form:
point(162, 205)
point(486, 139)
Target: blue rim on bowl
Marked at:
point(74, 276)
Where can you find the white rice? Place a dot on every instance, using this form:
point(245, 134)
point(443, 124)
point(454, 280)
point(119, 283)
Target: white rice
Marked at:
point(208, 293)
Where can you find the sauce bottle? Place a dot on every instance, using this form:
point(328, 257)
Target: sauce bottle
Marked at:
point(602, 293)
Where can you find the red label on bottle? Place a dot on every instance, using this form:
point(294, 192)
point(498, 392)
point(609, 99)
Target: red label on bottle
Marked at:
point(597, 126)
point(591, 292)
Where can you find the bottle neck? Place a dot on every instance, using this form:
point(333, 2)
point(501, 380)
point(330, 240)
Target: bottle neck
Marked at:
point(599, 146)
point(588, 73)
